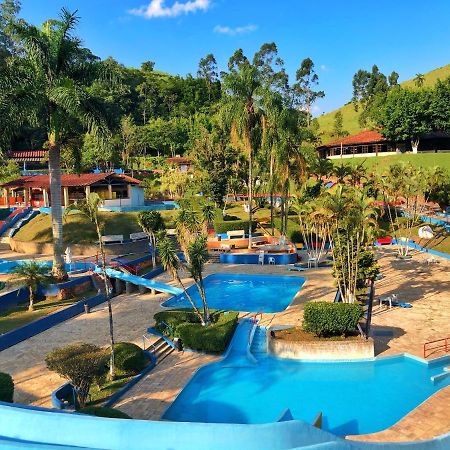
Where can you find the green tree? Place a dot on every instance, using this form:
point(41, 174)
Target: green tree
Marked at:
point(419, 80)
point(338, 127)
point(32, 274)
point(151, 222)
point(89, 208)
point(60, 72)
point(207, 70)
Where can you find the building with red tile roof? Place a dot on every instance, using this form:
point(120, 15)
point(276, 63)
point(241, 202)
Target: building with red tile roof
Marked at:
point(115, 189)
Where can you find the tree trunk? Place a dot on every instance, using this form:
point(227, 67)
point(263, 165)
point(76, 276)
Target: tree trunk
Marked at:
point(31, 303)
point(415, 145)
point(54, 168)
point(250, 197)
point(112, 368)
point(272, 225)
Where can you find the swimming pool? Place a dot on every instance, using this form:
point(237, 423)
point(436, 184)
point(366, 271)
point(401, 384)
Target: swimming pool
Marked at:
point(7, 266)
point(239, 292)
point(354, 397)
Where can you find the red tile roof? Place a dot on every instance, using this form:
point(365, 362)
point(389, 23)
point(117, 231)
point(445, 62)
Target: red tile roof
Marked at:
point(364, 137)
point(68, 180)
point(28, 155)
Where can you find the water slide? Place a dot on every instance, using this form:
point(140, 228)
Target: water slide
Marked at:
point(139, 281)
point(238, 352)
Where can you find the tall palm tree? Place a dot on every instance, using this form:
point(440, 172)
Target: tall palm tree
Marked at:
point(89, 208)
point(208, 213)
point(33, 274)
point(240, 111)
point(60, 72)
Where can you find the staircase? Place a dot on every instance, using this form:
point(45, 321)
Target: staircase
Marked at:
point(161, 350)
point(259, 342)
point(214, 257)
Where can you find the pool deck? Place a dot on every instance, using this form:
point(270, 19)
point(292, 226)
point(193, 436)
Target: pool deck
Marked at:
point(396, 330)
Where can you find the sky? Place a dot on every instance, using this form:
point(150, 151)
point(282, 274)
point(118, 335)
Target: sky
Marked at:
point(340, 36)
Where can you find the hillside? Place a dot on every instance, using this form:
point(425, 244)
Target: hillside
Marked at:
point(350, 116)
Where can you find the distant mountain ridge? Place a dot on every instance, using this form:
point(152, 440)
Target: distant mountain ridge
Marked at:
point(350, 116)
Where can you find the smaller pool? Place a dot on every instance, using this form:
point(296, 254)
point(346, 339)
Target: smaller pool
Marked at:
point(239, 292)
point(7, 266)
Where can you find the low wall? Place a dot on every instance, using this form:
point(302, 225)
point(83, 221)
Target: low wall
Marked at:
point(252, 258)
point(326, 350)
point(46, 248)
point(38, 326)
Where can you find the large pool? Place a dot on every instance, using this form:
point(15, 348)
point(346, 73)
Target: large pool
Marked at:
point(354, 397)
point(239, 292)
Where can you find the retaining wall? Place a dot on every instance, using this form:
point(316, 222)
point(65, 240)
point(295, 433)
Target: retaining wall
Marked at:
point(322, 350)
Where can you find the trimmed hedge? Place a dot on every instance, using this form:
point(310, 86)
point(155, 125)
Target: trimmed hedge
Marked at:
point(185, 325)
point(331, 319)
point(6, 388)
point(222, 226)
point(101, 411)
point(129, 358)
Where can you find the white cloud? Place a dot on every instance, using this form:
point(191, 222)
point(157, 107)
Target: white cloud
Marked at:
point(234, 31)
point(157, 8)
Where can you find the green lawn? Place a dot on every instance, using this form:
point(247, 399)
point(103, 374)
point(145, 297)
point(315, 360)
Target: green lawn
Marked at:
point(380, 164)
point(20, 316)
point(78, 230)
point(350, 116)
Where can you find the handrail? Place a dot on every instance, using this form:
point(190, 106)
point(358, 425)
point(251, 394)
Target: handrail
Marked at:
point(445, 346)
point(254, 322)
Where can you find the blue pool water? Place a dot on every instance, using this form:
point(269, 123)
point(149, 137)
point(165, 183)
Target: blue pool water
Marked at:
point(354, 397)
point(7, 266)
point(238, 292)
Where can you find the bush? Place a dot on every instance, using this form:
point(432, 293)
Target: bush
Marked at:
point(129, 358)
point(331, 319)
point(295, 236)
point(81, 364)
point(101, 411)
point(186, 326)
point(222, 226)
point(6, 388)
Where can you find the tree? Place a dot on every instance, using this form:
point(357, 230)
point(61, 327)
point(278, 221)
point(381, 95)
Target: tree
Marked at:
point(321, 167)
point(89, 208)
point(419, 80)
point(338, 129)
point(404, 115)
point(440, 105)
point(151, 222)
point(207, 70)
point(148, 66)
point(341, 172)
point(32, 274)
point(81, 364)
point(306, 80)
point(60, 72)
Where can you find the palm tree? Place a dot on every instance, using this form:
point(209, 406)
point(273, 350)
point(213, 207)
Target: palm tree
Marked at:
point(197, 255)
point(341, 172)
point(60, 72)
point(208, 213)
point(171, 263)
point(32, 274)
point(322, 167)
point(241, 113)
point(89, 208)
point(419, 80)
point(151, 222)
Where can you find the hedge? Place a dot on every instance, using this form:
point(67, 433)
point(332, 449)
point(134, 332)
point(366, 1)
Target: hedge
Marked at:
point(6, 388)
point(101, 411)
point(129, 358)
point(222, 226)
point(186, 325)
point(331, 319)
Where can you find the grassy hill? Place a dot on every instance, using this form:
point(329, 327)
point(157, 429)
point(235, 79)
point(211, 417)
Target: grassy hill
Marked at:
point(350, 116)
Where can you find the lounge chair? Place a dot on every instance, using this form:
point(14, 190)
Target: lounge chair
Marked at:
point(296, 267)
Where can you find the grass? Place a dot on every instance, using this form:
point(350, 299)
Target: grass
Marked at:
point(350, 116)
point(380, 164)
point(99, 394)
point(78, 229)
point(19, 316)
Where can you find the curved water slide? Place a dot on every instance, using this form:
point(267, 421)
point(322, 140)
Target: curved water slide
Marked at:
point(140, 281)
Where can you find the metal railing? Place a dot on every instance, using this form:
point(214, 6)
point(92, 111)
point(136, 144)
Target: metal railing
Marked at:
point(440, 345)
point(255, 321)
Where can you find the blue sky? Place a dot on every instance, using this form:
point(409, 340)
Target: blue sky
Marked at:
point(341, 36)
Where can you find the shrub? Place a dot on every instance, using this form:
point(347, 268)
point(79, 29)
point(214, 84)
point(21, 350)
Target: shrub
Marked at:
point(81, 364)
point(222, 226)
point(331, 319)
point(295, 236)
point(6, 388)
point(129, 358)
point(186, 326)
point(101, 411)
